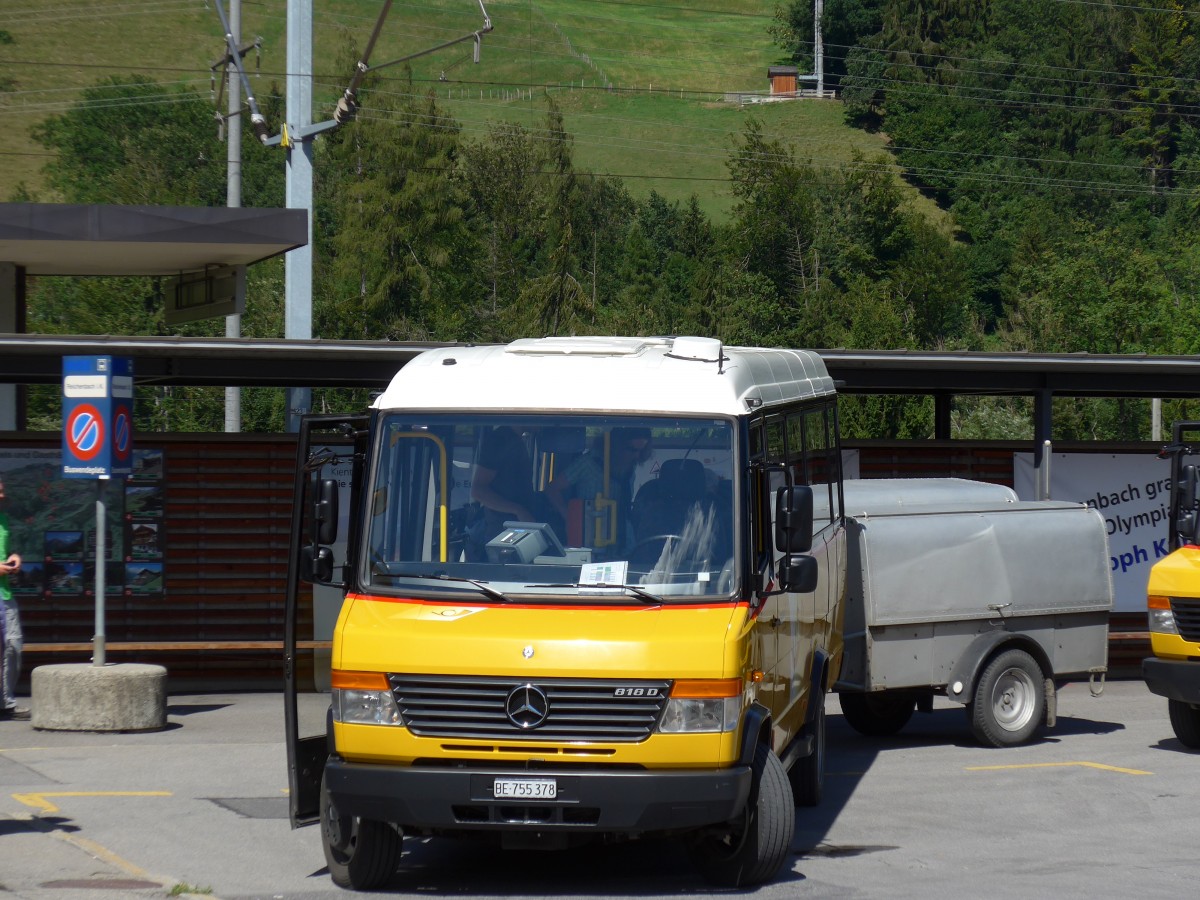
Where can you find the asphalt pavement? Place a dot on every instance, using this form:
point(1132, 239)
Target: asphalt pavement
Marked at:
point(1104, 806)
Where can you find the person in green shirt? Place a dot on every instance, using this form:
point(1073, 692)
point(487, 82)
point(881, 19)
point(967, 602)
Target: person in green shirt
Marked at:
point(10, 624)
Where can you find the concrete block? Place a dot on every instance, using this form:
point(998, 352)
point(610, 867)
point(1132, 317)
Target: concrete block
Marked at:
point(83, 697)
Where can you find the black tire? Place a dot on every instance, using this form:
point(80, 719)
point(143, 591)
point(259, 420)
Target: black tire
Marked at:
point(1185, 720)
point(1009, 706)
point(878, 714)
point(751, 849)
point(362, 854)
point(808, 774)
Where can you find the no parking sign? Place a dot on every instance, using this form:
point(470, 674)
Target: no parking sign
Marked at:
point(97, 416)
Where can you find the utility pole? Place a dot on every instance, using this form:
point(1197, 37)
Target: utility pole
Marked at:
point(819, 47)
point(233, 199)
point(298, 262)
point(296, 136)
point(235, 75)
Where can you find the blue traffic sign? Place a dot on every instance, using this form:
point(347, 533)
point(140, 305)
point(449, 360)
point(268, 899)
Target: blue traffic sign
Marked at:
point(97, 417)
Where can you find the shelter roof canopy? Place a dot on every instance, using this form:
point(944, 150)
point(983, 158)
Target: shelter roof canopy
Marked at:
point(97, 239)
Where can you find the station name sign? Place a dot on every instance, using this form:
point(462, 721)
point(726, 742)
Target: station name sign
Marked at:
point(97, 440)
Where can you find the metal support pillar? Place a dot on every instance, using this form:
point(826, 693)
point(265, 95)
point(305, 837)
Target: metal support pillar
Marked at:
point(99, 646)
point(12, 321)
point(943, 405)
point(819, 47)
point(298, 262)
point(233, 199)
point(1043, 418)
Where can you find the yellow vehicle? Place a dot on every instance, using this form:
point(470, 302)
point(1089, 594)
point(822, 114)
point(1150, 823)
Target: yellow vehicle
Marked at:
point(592, 591)
point(1173, 596)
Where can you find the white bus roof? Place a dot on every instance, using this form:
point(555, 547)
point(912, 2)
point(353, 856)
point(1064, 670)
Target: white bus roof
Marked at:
point(608, 374)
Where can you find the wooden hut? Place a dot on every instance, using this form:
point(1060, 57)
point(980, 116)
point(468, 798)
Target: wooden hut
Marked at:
point(783, 79)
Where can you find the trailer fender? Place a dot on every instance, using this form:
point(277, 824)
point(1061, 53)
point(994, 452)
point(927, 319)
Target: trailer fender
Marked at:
point(961, 685)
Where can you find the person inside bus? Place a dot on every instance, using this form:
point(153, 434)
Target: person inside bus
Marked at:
point(502, 484)
point(503, 479)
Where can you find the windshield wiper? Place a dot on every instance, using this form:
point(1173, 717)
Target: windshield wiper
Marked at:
point(486, 589)
point(641, 593)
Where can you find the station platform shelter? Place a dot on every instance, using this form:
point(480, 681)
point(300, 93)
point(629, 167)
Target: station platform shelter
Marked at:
point(202, 587)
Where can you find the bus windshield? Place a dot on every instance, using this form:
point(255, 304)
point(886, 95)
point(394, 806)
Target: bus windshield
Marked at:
point(501, 505)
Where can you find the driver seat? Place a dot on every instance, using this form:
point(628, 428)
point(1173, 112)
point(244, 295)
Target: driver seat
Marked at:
point(663, 505)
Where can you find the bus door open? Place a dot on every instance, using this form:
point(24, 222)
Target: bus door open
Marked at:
point(329, 465)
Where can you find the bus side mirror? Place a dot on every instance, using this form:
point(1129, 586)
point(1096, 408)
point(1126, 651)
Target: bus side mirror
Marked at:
point(325, 512)
point(316, 564)
point(316, 559)
point(1184, 507)
point(794, 519)
point(1186, 496)
point(798, 574)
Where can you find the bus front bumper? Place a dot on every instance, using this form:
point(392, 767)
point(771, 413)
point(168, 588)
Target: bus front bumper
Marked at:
point(593, 800)
point(1175, 679)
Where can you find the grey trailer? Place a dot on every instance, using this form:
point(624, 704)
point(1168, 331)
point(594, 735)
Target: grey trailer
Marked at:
point(957, 588)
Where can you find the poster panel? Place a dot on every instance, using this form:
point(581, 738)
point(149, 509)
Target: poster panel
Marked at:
point(1131, 491)
point(52, 524)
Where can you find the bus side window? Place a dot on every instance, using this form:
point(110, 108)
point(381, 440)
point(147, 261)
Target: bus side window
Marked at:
point(821, 466)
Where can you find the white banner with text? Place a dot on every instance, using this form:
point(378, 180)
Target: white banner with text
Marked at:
point(1131, 491)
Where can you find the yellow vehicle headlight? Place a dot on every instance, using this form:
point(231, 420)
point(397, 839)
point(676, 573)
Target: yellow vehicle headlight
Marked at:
point(1162, 619)
point(702, 705)
point(363, 698)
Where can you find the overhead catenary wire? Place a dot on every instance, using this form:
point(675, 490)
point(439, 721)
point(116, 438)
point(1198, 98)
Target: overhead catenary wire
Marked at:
point(907, 88)
point(691, 60)
point(966, 174)
point(983, 95)
point(798, 141)
point(677, 148)
point(903, 86)
point(53, 15)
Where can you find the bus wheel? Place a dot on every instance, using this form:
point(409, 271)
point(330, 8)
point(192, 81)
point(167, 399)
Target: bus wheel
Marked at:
point(361, 854)
point(1010, 702)
point(878, 714)
point(752, 848)
point(1185, 720)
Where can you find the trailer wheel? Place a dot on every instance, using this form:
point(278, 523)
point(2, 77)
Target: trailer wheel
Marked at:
point(808, 774)
point(362, 854)
point(878, 714)
point(1185, 720)
point(1010, 704)
point(753, 847)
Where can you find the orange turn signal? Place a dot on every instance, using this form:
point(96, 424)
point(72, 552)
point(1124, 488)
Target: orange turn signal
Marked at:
point(359, 681)
point(1156, 602)
point(697, 688)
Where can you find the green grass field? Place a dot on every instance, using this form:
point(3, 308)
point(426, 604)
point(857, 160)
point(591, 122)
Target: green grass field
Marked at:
point(677, 147)
point(639, 83)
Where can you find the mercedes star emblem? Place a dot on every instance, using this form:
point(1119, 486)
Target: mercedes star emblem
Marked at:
point(527, 706)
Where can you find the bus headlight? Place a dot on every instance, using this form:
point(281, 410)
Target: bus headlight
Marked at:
point(689, 715)
point(1162, 619)
point(364, 698)
point(702, 705)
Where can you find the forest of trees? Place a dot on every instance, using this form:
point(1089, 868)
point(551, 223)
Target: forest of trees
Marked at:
point(1060, 138)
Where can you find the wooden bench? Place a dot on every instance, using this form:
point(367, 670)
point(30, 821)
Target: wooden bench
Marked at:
point(174, 646)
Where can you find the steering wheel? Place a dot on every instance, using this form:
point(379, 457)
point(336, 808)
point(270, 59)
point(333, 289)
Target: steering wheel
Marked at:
point(641, 548)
